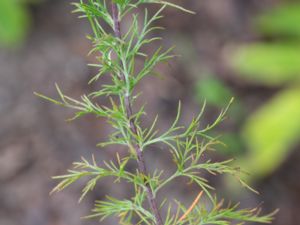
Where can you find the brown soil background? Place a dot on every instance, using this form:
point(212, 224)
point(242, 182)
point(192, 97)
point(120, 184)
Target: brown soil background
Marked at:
point(36, 142)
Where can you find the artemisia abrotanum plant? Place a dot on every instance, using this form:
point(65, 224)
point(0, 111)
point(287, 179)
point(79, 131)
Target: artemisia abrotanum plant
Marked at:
point(116, 49)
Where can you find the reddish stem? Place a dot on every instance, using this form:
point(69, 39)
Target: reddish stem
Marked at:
point(140, 158)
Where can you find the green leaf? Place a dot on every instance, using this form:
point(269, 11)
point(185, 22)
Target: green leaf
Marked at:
point(232, 144)
point(213, 91)
point(269, 64)
point(173, 5)
point(14, 22)
point(282, 20)
point(121, 2)
point(271, 132)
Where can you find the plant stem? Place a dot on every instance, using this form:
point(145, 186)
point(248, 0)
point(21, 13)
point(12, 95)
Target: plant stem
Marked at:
point(139, 153)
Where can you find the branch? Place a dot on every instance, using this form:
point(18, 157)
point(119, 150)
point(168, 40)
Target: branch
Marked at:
point(127, 101)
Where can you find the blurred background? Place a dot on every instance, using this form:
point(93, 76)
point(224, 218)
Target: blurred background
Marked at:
point(247, 49)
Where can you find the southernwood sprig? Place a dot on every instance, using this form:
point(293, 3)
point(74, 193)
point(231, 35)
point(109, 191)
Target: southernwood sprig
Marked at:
point(117, 50)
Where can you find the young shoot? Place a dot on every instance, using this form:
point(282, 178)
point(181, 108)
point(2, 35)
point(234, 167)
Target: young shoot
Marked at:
point(116, 49)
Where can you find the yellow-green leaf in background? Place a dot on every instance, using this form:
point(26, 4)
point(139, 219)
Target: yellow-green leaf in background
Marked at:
point(269, 64)
point(14, 21)
point(213, 91)
point(281, 21)
point(271, 132)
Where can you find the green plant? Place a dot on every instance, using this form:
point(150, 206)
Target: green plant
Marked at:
point(272, 130)
point(14, 22)
point(117, 52)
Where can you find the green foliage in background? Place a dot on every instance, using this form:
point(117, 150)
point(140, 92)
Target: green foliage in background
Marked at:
point(216, 93)
point(14, 22)
point(275, 62)
point(213, 90)
point(270, 64)
point(117, 51)
point(274, 129)
point(271, 132)
point(282, 21)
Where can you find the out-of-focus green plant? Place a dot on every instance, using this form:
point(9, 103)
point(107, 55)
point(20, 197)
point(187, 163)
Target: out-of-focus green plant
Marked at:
point(213, 91)
point(282, 21)
point(14, 22)
point(272, 130)
point(270, 64)
point(117, 50)
point(275, 62)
